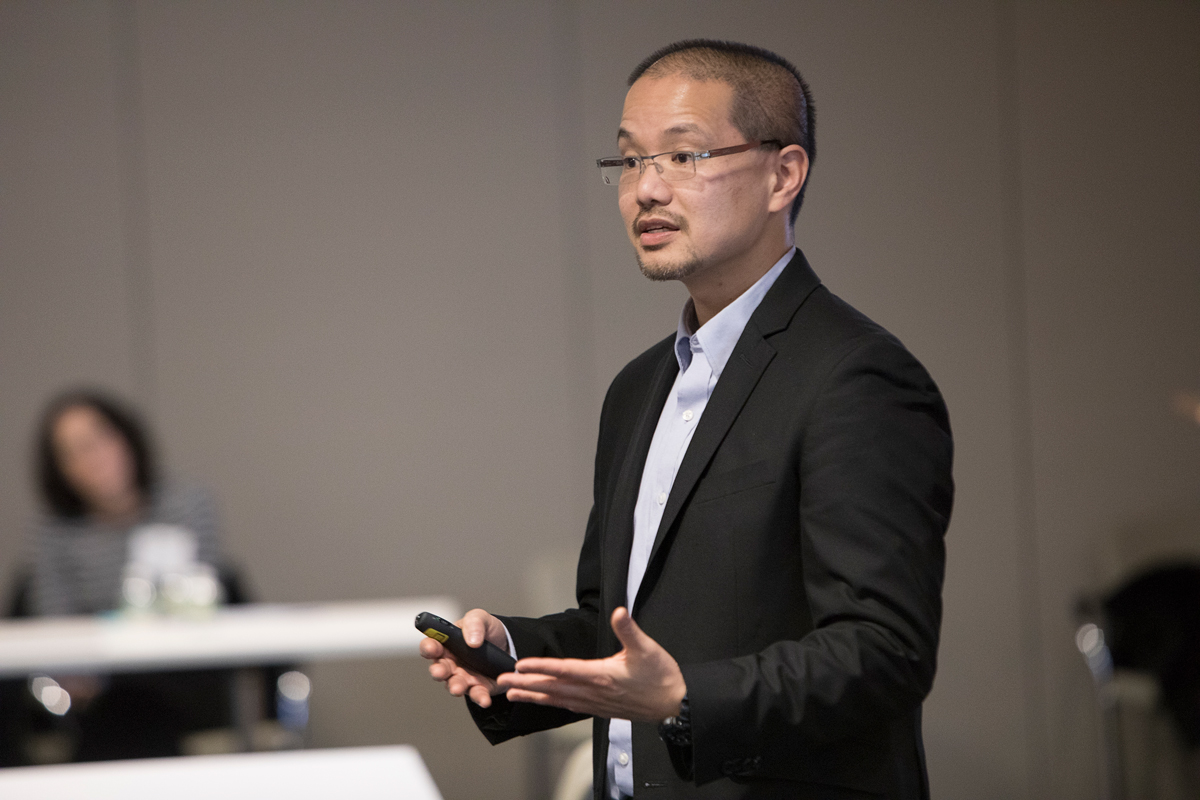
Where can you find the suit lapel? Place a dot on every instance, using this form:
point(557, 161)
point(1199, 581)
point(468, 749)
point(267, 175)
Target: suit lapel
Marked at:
point(739, 378)
point(746, 365)
point(619, 539)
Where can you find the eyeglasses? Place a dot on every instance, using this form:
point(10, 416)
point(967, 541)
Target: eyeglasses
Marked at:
point(678, 166)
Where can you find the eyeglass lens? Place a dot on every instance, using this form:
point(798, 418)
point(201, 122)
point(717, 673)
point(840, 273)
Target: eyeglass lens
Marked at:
point(677, 166)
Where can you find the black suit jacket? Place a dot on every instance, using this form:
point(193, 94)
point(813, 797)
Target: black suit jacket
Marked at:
point(796, 576)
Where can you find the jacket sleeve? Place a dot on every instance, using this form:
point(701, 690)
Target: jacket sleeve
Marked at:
point(570, 634)
point(574, 633)
point(875, 492)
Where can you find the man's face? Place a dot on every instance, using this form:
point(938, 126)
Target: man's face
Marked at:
point(703, 225)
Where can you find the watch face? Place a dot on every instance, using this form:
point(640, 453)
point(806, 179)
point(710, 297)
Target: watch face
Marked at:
point(673, 732)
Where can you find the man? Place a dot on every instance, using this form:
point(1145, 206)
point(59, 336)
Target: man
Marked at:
point(759, 586)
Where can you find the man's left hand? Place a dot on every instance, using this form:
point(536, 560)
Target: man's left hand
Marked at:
point(642, 682)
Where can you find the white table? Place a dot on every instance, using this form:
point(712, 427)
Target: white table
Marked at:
point(363, 773)
point(232, 636)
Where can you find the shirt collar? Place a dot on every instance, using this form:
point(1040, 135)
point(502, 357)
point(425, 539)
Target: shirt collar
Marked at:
point(720, 335)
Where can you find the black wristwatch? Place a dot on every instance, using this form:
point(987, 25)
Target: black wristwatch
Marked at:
point(676, 732)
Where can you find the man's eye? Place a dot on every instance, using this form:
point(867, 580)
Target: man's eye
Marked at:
point(682, 158)
point(629, 162)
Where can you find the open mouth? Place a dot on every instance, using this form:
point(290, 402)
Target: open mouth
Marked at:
point(654, 225)
point(654, 230)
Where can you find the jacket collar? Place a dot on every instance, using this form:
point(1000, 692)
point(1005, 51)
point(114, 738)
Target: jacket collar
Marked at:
point(746, 365)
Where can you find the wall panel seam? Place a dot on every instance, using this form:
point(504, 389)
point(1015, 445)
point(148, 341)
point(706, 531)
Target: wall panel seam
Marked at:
point(1020, 382)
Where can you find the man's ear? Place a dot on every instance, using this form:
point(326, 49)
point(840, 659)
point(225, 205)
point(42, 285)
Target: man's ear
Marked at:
point(790, 175)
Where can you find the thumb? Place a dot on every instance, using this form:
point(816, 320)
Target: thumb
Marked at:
point(630, 635)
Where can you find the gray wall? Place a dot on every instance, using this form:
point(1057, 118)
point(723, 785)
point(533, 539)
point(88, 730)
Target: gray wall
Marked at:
point(354, 263)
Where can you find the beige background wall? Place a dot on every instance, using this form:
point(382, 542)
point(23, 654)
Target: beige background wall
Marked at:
point(354, 262)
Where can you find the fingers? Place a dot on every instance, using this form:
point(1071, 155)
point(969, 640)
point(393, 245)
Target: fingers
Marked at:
point(460, 682)
point(445, 669)
point(428, 648)
point(481, 697)
point(442, 669)
point(628, 633)
point(580, 705)
point(478, 625)
point(546, 691)
point(540, 698)
point(538, 680)
point(474, 626)
point(443, 665)
point(558, 667)
point(572, 684)
point(582, 698)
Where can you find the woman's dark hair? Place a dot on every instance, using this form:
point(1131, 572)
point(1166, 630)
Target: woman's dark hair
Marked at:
point(56, 491)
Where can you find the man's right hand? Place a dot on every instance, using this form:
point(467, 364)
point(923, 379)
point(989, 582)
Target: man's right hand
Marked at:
point(477, 626)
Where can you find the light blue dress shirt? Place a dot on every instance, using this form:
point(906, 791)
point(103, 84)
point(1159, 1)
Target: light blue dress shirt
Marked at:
point(702, 355)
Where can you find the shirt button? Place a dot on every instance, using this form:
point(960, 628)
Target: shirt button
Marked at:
point(662, 498)
point(623, 759)
point(687, 415)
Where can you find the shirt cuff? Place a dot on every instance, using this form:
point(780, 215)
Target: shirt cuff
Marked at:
point(512, 648)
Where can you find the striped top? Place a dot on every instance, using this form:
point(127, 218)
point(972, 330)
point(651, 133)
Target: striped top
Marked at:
point(77, 563)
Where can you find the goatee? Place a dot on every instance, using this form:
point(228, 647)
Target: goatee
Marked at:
point(670, 271)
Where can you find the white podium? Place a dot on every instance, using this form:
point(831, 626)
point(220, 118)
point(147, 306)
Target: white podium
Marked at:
point(363, 773)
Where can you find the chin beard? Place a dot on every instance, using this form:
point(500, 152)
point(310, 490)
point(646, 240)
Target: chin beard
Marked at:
point(669, 271)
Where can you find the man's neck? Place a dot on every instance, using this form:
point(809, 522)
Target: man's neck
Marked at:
point(714, 289)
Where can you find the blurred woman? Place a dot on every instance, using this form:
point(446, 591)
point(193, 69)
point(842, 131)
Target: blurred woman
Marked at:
point(107, 509)
point(100, 484)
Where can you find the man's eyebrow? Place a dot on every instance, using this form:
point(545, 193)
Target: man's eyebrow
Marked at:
point(684, 127)
point(674, 130)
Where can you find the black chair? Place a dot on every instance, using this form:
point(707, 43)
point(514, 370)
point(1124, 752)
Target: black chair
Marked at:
point(1153, 625)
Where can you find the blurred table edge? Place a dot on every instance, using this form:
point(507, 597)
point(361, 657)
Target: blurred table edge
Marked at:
point(391, 771)
point(229, 636)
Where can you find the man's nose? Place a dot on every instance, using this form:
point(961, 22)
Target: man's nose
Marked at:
point(651, 188)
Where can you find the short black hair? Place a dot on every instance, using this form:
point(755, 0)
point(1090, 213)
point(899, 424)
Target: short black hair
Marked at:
point(57, 492)
point(771, 100)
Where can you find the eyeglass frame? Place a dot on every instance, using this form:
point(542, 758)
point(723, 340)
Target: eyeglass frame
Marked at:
point(618, 161)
